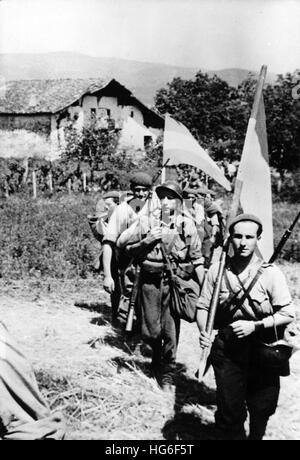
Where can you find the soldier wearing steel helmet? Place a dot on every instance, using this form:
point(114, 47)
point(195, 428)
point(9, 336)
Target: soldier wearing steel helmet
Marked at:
point(169, 238)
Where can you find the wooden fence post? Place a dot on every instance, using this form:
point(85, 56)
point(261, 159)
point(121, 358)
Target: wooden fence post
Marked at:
point(84, 182)
point(26, 167)
point(69, 186)
point(50, 181)
point(6, 189)
point(34, 184)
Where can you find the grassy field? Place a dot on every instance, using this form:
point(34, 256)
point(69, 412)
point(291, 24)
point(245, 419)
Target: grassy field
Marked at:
point(51, 237)
point(101, 380)
point(56, 307)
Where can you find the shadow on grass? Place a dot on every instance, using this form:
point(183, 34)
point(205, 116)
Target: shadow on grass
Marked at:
point(103, 308)
point(130, 344)
point(132, 364)
point(100, 321)
point(99, 307)
point(190, 391)
point(188, 426)
point(191, 424)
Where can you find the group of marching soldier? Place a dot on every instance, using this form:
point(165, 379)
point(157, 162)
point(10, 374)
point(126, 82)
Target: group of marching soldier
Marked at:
point(160, 249)
point(162, 245)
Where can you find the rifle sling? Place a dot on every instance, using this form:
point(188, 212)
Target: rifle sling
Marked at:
point(240, 304)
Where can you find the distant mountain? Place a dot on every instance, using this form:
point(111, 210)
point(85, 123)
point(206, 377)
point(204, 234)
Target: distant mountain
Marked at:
point(142, 78)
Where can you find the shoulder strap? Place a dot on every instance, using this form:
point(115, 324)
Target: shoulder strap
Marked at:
point(240, 305)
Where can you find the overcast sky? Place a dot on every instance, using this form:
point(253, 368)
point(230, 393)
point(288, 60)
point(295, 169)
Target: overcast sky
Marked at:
point(211, 34)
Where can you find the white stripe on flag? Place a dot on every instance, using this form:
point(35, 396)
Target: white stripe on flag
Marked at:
point(180, 147)
point(254, 173)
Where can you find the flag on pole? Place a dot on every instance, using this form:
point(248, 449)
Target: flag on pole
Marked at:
point(180, 147)
point(253, 177)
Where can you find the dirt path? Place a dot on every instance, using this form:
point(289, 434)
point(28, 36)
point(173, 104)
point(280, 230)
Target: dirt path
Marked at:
point(103, 384)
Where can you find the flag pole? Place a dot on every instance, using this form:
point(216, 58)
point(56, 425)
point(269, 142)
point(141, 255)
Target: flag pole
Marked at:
point(232, 213)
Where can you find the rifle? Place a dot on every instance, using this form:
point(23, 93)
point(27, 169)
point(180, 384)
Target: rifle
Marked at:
point(133, 297)
point(284, 239)
point(215, 297)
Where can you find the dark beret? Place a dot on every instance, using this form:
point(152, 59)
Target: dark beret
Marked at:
point(141, 178)
point(111, 194)
point(246, 217)
point(189, 191)
point(198, 191)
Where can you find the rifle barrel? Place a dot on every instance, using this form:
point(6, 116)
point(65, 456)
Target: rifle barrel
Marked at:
point(284, 239)
point(133, 298)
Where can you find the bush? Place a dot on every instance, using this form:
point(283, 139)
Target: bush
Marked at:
point(51, 238)
point(45, 238)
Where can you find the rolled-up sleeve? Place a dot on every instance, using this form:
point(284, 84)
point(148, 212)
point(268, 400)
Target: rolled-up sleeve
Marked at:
point(195, 244)
point(279, 293)
point(122, 217)
point(203, 302)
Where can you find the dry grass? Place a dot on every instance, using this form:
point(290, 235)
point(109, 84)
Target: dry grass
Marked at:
point(102, 382)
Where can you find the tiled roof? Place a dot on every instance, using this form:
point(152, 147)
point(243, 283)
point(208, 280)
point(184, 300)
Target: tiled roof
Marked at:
point(35, 96)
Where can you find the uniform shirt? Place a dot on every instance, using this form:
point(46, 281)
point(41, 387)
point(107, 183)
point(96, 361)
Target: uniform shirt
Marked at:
point(180, 239)
point(270, 292)
point(121, 218)
point(125, 214)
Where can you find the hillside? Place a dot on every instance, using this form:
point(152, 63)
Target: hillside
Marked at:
point(142, 78)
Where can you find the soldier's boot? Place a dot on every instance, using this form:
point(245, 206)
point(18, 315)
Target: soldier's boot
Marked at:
point(258, 425)
point(156, 365)
point(115, 301)
point(167, 377)
point(229, 434)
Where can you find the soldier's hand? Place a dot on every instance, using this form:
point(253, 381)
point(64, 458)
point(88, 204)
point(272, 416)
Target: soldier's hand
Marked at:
point(155, 234)
point(108, 284)
point(242, 328)
point(204, 339)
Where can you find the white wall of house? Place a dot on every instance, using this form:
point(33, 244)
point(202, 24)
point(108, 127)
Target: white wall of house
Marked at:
point(78, 112)
point(133, 134)
point(133, 112)
point(89, 103)
point(127, 118)
point(155, 131)
point(57, 138)
point(108, 108)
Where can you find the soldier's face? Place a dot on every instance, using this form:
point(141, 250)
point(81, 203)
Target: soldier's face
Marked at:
point(169, 203)
point(109, 204)
point(244, 238)
point(140, 192)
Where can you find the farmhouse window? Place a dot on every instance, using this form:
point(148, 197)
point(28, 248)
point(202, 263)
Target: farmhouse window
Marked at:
point(147, 141)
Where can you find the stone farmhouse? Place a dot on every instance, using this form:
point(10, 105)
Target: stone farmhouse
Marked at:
point(46, 107)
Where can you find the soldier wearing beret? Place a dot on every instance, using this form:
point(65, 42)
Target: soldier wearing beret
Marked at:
point(104, 209)
point(170, 234)
point(121, 218)
point(98, 222)
point(243, 384)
